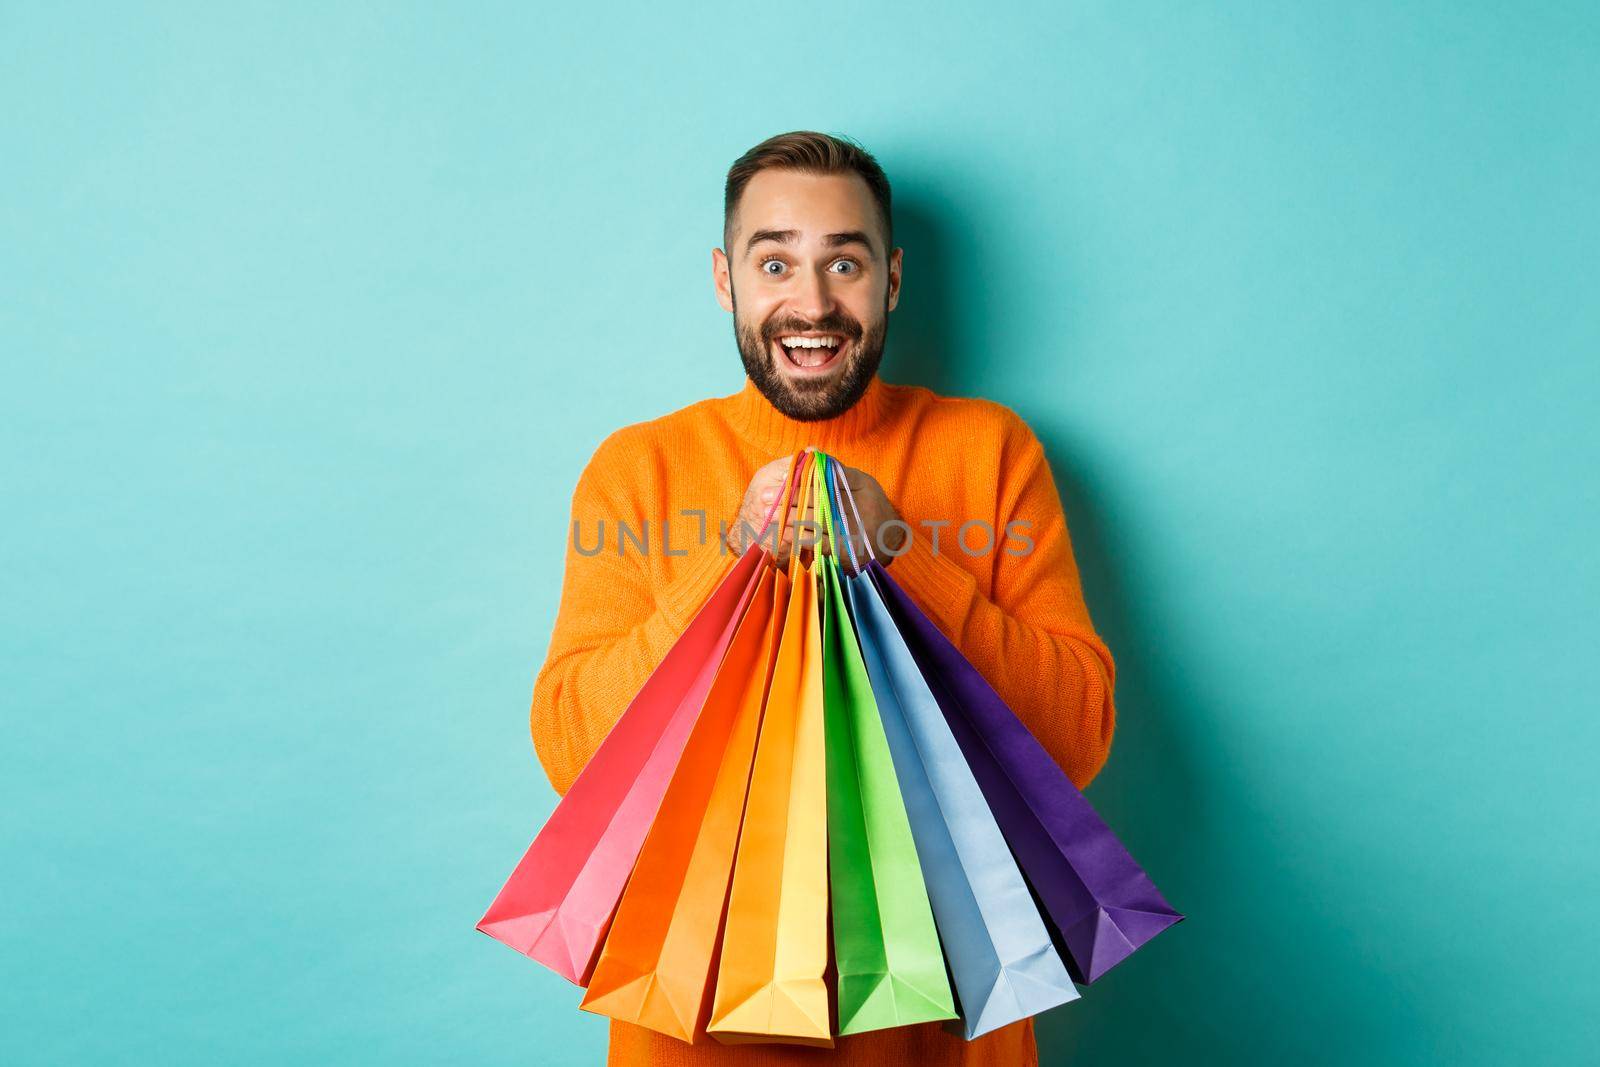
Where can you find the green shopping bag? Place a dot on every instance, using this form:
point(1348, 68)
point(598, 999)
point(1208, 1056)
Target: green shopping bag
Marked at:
point(890, 967)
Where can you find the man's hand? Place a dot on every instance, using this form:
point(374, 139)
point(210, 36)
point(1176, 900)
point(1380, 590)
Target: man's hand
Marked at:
point(765, 488)
point(876, 511)
point(759, 498)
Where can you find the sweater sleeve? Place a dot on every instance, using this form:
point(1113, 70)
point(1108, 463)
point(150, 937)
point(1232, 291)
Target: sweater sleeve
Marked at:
point(613, 626)
point(1033, 640)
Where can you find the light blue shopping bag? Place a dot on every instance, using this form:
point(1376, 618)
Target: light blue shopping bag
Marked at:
point(1001, 958)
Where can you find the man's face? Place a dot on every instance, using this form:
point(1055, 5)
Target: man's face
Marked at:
point(810, 284)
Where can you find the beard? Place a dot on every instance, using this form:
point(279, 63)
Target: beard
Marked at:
point(810, 400)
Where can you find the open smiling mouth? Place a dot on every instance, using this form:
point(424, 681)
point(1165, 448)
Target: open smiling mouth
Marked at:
point(807, 354)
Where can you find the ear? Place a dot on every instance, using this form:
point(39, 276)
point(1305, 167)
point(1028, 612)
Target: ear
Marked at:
point(894, 277)
point(721, 280)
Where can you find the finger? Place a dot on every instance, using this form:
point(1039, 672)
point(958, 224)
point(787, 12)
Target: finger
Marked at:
point(773, 481)
point(772, 475)
point(856, 478)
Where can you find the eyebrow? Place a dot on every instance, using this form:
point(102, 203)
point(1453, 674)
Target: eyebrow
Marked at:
point(832, 240)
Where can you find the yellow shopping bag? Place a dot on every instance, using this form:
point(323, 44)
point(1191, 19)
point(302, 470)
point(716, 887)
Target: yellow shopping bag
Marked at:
point(770, 984)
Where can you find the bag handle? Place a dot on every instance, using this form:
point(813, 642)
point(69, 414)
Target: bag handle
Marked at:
point(782, 498)
point(806, 486)
point(834, 519)
point(819, 472)
point(847, 493)
point(823, 473)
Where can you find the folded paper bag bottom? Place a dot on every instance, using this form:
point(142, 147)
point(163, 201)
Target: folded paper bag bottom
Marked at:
point(778, 1013)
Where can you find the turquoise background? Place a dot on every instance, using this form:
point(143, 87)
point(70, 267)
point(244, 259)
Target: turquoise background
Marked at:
point(312, 314)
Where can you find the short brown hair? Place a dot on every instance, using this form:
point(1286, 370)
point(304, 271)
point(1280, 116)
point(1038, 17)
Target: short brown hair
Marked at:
point(816, 153)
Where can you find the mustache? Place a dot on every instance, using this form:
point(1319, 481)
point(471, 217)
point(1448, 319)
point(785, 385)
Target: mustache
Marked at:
point(835, 323)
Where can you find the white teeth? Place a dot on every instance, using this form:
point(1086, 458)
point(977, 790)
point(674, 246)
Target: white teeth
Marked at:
point(809, 342)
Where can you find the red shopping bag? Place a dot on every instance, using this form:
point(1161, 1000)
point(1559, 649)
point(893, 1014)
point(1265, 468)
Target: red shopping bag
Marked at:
point(657, 964)
point(558, 902)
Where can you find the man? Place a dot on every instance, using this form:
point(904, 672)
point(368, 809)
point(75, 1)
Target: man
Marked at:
point(956, 493)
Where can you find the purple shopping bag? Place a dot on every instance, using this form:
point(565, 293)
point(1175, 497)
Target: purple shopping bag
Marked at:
point(1099, 901)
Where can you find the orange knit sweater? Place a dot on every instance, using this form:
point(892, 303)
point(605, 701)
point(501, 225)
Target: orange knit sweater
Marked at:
point(1020, 618)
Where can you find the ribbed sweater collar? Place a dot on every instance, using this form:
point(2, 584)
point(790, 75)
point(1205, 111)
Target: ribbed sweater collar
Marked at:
point(756, 420)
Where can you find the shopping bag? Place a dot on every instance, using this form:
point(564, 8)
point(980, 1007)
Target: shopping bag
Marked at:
point(770, 985)
point(559, 900)
point(889, 964)
point(656, 965)
point(1001, 958)
point(1100, 901)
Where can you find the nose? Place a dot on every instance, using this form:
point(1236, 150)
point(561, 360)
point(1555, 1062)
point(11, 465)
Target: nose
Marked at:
point(812, 299)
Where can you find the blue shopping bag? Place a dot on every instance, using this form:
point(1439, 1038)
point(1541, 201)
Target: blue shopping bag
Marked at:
point(1002, 962)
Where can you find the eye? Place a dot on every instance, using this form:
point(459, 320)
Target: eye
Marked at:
point(773, 267)
point(850, 263)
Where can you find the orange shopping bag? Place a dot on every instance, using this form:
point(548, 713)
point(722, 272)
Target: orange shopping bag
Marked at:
point(559, 901)
point(656, 965)
point(770, 983)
